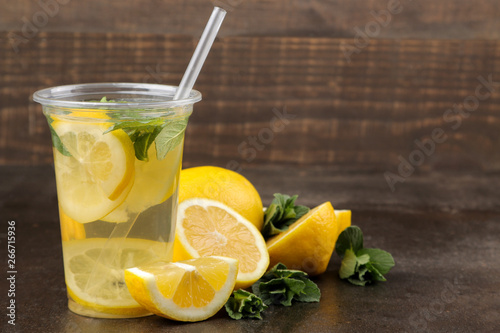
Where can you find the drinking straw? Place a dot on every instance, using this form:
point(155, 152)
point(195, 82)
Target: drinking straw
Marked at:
point(200, 54)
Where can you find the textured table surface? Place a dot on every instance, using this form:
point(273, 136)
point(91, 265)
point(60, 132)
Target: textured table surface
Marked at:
point(443, 231)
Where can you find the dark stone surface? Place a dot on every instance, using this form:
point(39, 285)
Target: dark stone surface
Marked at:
point(442, 232)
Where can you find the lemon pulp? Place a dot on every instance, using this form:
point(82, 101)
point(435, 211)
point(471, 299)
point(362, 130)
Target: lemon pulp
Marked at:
point(208, 227)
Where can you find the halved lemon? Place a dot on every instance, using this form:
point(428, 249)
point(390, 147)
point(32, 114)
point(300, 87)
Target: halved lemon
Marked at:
point(223, 185)
point(343, 219)
point(190, 290)
point(207, 227)
point(309, 242)
point(98, 175)
point(94, 271)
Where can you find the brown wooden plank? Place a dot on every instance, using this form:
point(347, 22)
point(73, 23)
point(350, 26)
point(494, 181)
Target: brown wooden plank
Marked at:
point(362, 114)
point(457, 19)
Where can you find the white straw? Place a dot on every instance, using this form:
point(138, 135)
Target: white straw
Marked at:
point(200, 54)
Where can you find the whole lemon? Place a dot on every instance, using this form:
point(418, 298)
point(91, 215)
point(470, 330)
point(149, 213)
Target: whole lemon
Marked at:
point(226, 186)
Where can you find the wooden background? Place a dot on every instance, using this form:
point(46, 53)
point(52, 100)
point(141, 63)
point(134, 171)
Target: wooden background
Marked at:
point(270, 55)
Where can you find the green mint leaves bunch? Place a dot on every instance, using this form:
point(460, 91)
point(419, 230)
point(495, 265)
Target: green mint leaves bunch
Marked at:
point(243, 304)
point(279, 286)
point(166, 135)
point(361, 266)
point(281, 213)
point(142, 133)
point(282, 286)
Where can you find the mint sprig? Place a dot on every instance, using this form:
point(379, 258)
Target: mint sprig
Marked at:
point(243, 304)
point(167, 135)
point(56, 140)
point(281, 213)
point(282, 286)
point(141, 133)
point(361, 266)
point(105, 100)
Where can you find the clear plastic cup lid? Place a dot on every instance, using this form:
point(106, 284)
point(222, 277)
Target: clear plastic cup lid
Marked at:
point(119, 96)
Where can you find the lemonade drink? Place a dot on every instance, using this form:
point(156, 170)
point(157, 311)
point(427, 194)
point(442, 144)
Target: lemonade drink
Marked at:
point(117, 157)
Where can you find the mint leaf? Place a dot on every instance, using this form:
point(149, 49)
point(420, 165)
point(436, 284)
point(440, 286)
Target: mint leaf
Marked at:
point(281, 286)
point(56, 140)
point(361, 272)
point(280, 291)
point(348, 265)
point(243, 304)
point(351, 238)
point(136, 125)
point(170, 136)
point(281, 213)
point(358, 282)
point(279, 270)
point(353, 268)
point(310, 293)
point(361, 266)
point(379, 259)
point(362, 259)
point(300, 211)
point(376, 275)
point(143, 140)
point(105, 100)
point(141, 133)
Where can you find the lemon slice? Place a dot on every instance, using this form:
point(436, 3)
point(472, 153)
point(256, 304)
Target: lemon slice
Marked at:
point(95, 278)
point(190, 290)
point(208, 227)
point(309, 242)
point(70, 229)
point(98, 175)
point(154, 182)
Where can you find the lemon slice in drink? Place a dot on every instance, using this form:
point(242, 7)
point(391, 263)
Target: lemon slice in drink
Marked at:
point(154, 182)
point(190, 290)
point(95, 277)
point(70, 229)
point(98, 175)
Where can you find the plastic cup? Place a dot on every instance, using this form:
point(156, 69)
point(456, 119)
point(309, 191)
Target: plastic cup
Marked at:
point(117, 162)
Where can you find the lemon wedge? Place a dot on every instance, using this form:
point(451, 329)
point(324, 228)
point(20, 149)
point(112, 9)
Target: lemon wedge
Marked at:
point(190, 290)
point(309, 242)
